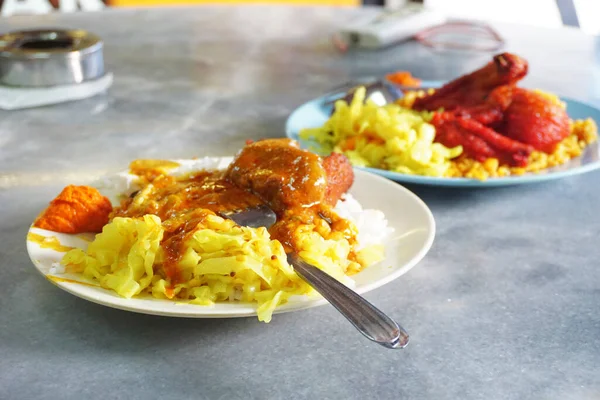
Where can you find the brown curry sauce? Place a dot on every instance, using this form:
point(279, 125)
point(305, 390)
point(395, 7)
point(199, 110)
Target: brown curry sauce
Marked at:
point(290, 180)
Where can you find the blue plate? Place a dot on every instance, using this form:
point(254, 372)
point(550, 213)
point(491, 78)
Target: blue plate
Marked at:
point(316, 112)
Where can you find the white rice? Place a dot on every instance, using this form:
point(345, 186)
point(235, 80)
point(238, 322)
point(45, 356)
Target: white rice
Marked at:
point(187, 166)
point(114, 186)
point(372, 226)
point(56, 268)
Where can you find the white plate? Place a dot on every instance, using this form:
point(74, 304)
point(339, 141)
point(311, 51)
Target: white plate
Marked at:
point(411, 219)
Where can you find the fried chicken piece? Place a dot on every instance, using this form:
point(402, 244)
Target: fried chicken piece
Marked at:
point(491, 111)
point(536, 120)
point(478, 141)
point(473, 89)
point(285, 176)
point(490, 117)
point(77, 209)
point(340, 177)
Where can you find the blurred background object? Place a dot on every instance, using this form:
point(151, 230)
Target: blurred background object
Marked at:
point(19, 7)
point(150, 3)
point(461, 35)
point(583, 14)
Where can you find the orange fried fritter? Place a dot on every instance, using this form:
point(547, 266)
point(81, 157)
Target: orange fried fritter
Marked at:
point(77, 209)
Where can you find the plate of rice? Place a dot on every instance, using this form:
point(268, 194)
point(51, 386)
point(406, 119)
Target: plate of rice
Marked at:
point(417, 140)
point(225, 270)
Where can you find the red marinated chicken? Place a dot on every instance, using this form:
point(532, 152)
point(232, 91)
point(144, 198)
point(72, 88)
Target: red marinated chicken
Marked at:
point(534, 119)
point(479, 141)
point(473, 89)
point(490, 117)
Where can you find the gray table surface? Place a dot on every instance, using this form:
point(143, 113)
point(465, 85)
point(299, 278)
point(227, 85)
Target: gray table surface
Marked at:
point(505, 305)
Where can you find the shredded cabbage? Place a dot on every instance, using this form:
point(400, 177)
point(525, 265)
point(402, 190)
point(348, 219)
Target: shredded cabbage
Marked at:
point(388, 137)
point(220, 262)
point(122, 257)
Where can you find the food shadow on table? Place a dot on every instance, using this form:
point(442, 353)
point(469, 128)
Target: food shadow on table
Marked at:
point(453, 197)
point(94, 325)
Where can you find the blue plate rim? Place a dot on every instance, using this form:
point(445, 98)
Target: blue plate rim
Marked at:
point(530, 177)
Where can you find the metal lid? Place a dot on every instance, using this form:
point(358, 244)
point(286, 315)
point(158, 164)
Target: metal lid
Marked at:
point(50, 57)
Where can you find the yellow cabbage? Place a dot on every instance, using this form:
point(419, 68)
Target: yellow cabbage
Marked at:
point(220, 261)
point(388, 137)
point(122, 256)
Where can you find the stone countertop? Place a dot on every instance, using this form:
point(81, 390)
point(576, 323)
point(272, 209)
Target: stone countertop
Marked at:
point(505, 305)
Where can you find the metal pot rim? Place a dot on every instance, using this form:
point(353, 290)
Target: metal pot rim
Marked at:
point(50, 57)
point(82, 43)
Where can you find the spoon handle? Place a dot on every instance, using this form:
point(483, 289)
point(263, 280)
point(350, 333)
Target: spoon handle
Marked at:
point(370, 321)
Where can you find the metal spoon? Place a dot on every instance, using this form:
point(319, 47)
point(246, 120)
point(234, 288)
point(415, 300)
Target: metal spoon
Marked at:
point(365, 317)
point(381, 91)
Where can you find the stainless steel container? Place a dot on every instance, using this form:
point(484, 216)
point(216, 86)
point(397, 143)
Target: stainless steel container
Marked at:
point(50, 57)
